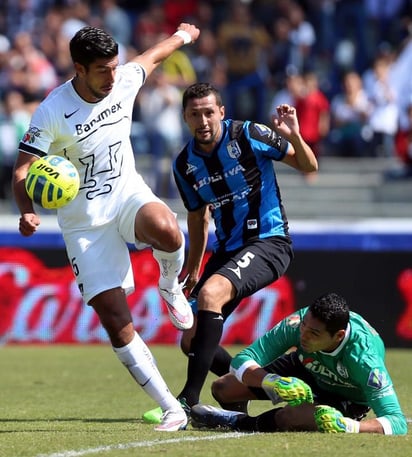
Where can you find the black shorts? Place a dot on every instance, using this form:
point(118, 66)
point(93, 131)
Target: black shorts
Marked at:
point(259, 263)
point(289, 365)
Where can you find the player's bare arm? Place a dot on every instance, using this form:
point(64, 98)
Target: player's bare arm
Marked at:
point(150, 59)
point(300, 155)
point(198, 231)
point(29, 220)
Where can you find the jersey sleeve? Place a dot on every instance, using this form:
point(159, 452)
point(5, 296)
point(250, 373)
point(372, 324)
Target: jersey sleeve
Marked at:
point(267, 141)
point(39, 136)
point(372, 374)
point(135, 71)
point(271, 345)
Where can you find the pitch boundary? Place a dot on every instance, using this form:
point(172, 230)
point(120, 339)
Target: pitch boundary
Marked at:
point(142, 444)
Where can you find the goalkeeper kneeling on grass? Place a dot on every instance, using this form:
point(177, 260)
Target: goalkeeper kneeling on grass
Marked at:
point(329, 382)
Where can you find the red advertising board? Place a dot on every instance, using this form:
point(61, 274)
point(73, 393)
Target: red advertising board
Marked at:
point(41, 304)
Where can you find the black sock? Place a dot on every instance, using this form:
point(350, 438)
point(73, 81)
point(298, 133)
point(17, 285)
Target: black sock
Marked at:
point(202, 352)
point(221, 362)
point(265, 422)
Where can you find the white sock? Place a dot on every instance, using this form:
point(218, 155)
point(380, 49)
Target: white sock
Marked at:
point(138, 359)
point(170, 264)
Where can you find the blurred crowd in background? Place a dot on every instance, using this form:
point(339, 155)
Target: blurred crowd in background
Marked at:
point(345, 64)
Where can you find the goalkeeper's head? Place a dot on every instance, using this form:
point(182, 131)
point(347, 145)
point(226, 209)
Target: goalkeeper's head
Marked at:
point(325, 324)
point(332, 310)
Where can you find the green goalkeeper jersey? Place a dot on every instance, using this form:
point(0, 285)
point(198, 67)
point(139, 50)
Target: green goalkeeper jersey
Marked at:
point(355, 369)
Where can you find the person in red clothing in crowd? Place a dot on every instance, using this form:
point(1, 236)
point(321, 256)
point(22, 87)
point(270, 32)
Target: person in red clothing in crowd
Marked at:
point(403, 149)
point(175, 11)
point(313, 111)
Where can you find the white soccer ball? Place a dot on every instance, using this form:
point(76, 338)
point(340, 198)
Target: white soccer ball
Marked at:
point(52, 182)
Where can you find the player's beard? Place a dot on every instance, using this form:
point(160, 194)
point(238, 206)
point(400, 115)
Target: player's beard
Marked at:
point(97, 94)
point(206, 141)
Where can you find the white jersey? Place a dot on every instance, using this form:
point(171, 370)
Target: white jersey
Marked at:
point(95, 137)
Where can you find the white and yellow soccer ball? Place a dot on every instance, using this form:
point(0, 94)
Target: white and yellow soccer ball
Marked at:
point(52, 182)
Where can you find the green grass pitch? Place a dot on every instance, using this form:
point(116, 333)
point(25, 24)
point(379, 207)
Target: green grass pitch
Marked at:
point(75, 401)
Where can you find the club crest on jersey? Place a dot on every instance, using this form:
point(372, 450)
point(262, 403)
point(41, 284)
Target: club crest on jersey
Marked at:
point(31, 135)
point(233, 149)
point(190, 168)
point(342, 370)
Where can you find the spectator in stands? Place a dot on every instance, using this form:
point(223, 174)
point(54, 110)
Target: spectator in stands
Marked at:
point(350, 135)
point(150, 26)
point(403, 150)
point(177, 11)
point(30, 70)
point(244, 44)
point(54, 44)
point(5, 46)
point(279, 53)
point(160, 114)
point(351, 25)
point(208, 63)
point(178, 69)
point(313, 111)
point(302, 37)
point(290, 93)
point(115, 20)
point(382, 19)
point(14, 121)
point(384, 115)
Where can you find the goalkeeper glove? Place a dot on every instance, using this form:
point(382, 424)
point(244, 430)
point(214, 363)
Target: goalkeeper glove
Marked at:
point(292, 390)
point(330, 420)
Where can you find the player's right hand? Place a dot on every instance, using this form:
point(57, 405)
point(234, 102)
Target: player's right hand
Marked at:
point(28, 223)
point(330, 420)
point(292, 390)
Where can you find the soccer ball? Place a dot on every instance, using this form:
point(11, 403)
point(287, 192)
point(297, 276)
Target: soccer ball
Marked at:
point(52, 182)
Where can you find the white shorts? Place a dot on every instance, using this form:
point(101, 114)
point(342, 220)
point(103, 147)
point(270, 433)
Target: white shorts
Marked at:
point(100, 256)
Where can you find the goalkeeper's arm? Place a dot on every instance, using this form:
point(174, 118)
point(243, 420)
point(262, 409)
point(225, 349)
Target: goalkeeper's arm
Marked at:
point(330, 420)
point(292, 390)
point(278, 388)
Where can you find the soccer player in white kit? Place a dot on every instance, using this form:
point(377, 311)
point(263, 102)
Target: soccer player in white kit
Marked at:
point(87, 120)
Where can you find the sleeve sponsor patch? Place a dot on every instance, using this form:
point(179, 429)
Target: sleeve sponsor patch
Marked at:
point(377, 379)
point(293, 321)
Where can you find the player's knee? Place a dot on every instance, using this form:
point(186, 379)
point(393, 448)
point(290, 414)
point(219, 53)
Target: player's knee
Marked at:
point(219, 390)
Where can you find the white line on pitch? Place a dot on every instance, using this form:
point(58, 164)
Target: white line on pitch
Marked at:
point(137, 444)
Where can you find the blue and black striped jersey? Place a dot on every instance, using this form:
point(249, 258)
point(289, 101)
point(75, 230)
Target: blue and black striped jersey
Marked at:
point(238, 182)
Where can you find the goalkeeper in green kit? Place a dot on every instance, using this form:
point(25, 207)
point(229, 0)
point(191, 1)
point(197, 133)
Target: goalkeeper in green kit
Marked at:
point(328, 382)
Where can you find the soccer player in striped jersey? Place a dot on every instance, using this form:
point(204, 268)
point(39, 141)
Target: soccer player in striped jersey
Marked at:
point(227, 171)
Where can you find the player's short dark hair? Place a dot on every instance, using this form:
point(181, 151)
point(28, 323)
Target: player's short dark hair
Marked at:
point(90, 44)
point(332, 310)
point(201, 90)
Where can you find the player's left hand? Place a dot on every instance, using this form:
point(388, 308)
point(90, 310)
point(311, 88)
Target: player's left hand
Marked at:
point(191, 29)
point(285, 121)
point(330, 420)
point(292, 390)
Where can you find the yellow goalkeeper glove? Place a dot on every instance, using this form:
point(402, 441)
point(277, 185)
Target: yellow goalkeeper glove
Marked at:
point(330, 420)
point(292, 390)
